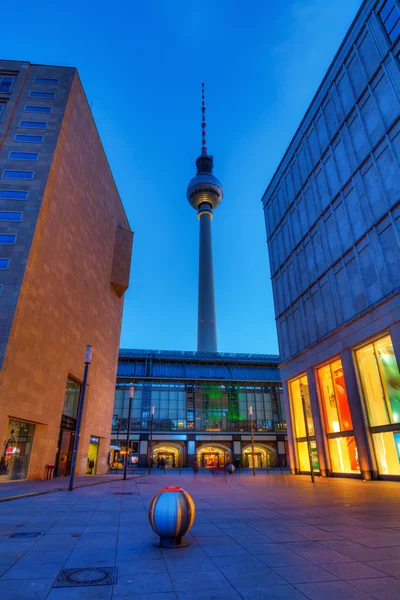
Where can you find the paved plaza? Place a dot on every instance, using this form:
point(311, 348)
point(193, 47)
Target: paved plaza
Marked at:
point(272, 537)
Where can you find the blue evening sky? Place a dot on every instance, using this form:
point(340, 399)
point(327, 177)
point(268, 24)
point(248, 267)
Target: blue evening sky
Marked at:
point(142, 64)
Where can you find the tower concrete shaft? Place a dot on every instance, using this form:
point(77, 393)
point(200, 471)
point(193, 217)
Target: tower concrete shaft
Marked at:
point(207, 325)
point(205, 193)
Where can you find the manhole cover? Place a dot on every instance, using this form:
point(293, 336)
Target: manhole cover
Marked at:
point(123, 494)
point(32, 534)
point(87, 576)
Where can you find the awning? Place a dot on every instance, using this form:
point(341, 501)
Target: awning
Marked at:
point(115, 448)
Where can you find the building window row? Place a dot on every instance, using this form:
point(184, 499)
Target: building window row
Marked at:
point(23, 155)
point(13, 194)
point(33, 124)
point(6, 83)
point(390, 17)
point(46, 81)
point(10, 174)
point(379, 380)
point(33, 139)
point(38, 94)
point(4, 264)
point(7, 239)
point(37, 109)
point(8, 215)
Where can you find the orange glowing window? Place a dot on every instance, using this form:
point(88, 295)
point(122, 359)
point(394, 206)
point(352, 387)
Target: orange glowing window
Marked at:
point(334, 397)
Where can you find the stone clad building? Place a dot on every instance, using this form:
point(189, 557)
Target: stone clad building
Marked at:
point(332, 216)
point(201, 406)
point(65, 249)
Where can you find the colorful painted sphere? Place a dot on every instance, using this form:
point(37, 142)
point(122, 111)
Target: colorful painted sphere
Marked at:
point(171, 515)
point(230, 468)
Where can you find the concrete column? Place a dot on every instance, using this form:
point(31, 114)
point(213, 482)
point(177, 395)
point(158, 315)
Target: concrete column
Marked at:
point(237, 452)
point(324, 467)
point(394, 331)
point(143, 448)
point(289, 425)
point(361, 430)
point(207, 326)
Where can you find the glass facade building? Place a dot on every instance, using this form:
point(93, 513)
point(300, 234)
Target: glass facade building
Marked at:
point(332, 214)
point(201, 398)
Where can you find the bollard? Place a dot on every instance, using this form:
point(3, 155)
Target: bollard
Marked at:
point(231, 469)
point(171, 515)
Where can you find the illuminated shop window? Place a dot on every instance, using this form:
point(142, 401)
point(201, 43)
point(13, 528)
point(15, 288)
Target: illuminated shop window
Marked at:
point(298, 389)
point(304, 458)
point(344, 455)
point(387, 452)
point(334, 397)
point(380, 380)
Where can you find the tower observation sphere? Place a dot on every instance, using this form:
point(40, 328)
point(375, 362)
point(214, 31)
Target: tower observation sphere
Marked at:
point(204, 193)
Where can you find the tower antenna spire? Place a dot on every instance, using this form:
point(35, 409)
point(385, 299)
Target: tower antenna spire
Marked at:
point(203, 122)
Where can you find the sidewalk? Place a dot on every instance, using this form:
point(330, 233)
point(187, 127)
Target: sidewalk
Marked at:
point(254, 538)
point(12, 489)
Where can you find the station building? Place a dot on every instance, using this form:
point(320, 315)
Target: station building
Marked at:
point(201, 408)
point(65, 251)
point(332, 212)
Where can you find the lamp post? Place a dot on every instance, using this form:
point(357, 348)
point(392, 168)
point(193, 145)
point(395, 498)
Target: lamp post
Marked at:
point(252, 438)
point(303, 401)
point(151, 438)
point(128, 434)
point(88, 360)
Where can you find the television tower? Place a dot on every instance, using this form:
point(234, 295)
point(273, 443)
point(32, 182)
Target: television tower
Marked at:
point(204, 193)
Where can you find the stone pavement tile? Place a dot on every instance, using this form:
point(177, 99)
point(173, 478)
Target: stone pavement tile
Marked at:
point(131, 567)
point(142, 583)
point(33, 571)
point(250, 541)
point(156, 596)
point(209, 580)
point(194, 552)
point(362, 553)
point(282, 535)
point(228, 594)
point(8, 546)
point(222, 540)
point(226, 551)
point(149, 552)
point(304, 574)
point(59, 541)
point(206, 529)
point(9, 558)
point(30, 590)
point(386, 588)
point(325, 557)
point(103, 592)
point(282, 559)
point(190, 564)
point(332, 590)
point(46, 556)
point(99, 558)
point(227, 563)
point(390, 567)
point(278, 592)
point(313, 533)
point(252, 576)
point(353, 570)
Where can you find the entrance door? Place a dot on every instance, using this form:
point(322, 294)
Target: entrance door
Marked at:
point(65, 451)
point(210, 460)
point(169, 458)
point(257, 460)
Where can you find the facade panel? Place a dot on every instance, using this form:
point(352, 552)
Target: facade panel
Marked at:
point(341, 211)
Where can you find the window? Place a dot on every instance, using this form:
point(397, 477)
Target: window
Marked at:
point(33, 94)
point(302, 417)
point(4, 263)
point(342, 446)
point(387, 451)
point(29, 138)
point(380, 380)
point(6, 215)
point(7, 174)
point(7, 239)
point(334, 398)
point(45, 81)
point(2, 105)
point(23, 155)
point(390, 16)
point(6, 83)
point(37, 109)
point(13, 195)
point(71, 398)
point(33, 124)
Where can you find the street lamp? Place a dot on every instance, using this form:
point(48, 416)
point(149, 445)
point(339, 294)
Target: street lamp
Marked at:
point(252, 437)
point(88, 360)
point(131, 395)
point(151, 438)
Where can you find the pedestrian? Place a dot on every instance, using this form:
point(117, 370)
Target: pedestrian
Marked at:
point(158, 463)
point(195, 466)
